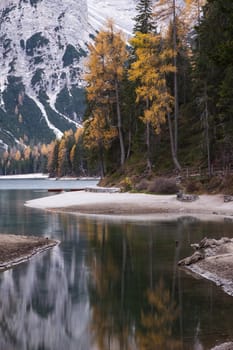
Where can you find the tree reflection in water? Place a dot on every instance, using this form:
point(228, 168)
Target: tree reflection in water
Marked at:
point(127, 312)
point(157, 321)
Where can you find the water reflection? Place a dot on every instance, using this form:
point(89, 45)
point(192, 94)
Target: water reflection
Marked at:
point(39, 307)
point(157, 321)
point(128, 312)
point(90, 293)
point(109, 285)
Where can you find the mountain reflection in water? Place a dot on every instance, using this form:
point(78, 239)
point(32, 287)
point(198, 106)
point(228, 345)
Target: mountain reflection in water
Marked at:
point(37, 310)
point(64, 301)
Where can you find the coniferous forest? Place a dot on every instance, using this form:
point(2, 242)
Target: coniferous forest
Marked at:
point(158, 103)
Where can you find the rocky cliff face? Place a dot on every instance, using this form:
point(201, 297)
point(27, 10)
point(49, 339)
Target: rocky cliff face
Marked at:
point(42, 46)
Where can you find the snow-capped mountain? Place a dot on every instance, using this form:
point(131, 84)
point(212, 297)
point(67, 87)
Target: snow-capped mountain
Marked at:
point(42, 47)
point(121, 11)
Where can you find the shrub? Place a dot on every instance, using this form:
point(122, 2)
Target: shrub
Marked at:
point(193, 186)
point(228, 184)
point(142, 185)
point(214, 184)
point(163, 185)
point(126, 184)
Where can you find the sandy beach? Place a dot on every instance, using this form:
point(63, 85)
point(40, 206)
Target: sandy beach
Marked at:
point(82, 202)
point(15, 249)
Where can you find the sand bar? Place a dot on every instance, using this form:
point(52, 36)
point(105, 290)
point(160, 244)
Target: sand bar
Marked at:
point(83, 202)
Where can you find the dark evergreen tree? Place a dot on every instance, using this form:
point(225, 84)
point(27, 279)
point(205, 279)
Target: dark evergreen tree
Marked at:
point(213, 78)
point(144, 19)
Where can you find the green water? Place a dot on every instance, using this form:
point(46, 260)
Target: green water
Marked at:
point(111, 284)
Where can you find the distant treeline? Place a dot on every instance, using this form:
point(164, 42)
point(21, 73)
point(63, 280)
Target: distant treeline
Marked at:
point(59, 158)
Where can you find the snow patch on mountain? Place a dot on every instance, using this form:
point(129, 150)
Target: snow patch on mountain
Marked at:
point(44, 43)
point(56, 131)
point(122, 12)
point(37, 38)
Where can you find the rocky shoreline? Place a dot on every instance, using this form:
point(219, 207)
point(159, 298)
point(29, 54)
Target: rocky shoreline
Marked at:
point(16, 249)
point(213, 260)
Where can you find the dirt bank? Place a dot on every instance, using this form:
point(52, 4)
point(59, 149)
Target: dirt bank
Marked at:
point(16, 249)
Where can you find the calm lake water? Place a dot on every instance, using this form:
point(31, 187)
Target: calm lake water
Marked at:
point(111, 284)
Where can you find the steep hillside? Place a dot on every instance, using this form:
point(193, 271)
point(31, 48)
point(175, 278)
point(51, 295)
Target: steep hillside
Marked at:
point(42, 44)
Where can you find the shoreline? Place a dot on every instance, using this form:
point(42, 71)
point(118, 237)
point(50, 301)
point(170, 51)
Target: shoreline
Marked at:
point(16, 249)
point(213, 260)
point(133, 205)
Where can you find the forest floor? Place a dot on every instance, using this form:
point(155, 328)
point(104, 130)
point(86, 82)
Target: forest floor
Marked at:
point(15, 249)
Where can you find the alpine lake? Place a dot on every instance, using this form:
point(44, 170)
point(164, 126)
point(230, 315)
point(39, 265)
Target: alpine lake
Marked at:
point(112, 283)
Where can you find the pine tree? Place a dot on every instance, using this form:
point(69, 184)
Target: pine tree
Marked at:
point(144, 19)
point(167, 10)
point(53, 149)
point(213, 79)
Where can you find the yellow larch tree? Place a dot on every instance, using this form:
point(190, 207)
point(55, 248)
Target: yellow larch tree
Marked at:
point(105, 72)
point(98, 134)
point(149, 71)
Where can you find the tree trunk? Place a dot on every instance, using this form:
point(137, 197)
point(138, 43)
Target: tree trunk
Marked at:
point(129, 146)
point(148, 146)
point(174, 155)
point(206, 123)
point(119, 124)
point(101, 157)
